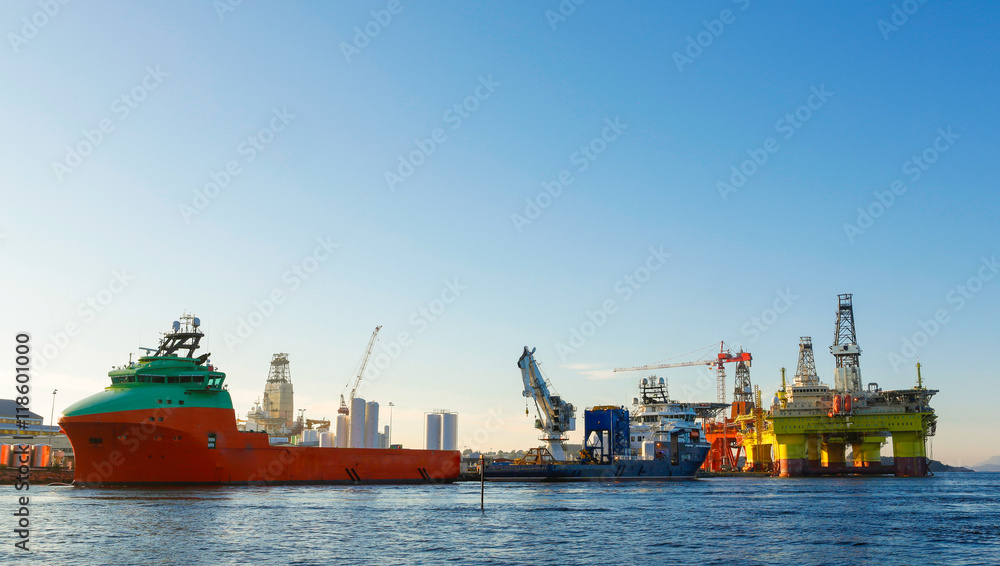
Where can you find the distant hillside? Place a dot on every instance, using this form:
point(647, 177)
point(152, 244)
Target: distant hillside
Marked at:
point(935, 466)
point(938, 467)
point(991, 465)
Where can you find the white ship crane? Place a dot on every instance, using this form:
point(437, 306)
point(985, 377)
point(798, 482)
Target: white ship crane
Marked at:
point(555, 416)
point(343, 410)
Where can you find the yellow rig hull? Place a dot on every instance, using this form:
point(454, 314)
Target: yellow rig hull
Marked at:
point(816, 445)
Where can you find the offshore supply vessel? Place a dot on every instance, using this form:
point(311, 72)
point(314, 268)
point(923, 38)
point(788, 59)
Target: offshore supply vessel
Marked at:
point(660, 441)
point(169, 419)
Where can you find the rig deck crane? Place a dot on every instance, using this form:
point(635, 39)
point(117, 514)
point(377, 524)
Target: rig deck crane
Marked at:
point(343, 410)
point(555, 416)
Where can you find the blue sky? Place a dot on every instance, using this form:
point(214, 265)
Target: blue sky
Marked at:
point(310, 136)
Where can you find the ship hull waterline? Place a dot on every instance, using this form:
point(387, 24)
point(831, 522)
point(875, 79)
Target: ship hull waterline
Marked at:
point(126, 448)
point(624, 470)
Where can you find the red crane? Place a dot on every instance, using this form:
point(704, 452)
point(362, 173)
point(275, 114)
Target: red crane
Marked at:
point(723, 357)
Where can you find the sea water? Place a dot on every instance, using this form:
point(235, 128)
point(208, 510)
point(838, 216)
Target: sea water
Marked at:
point(946, 519)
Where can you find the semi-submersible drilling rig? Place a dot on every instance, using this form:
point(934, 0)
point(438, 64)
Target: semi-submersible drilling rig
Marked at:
point(810, 424)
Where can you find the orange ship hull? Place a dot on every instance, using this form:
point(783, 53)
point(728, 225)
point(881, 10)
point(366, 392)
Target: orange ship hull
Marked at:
point(196, 445)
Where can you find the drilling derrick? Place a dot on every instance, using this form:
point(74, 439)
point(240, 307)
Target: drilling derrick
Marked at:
point(847, 375)
point(278, 391)
point(744, 389)
point(805, 373)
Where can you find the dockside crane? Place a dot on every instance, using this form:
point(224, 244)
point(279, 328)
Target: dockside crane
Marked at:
point(723, 357)
point(555, 416)
point(344, 410)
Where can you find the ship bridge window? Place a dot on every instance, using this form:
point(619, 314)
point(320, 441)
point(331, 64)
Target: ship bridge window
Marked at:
point(143, 379)
point(158, 379)
point(172, 379)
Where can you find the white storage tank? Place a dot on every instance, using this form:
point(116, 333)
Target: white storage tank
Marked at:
point(357, 423)
point(343, 437)
point(449, 431)
point(326, 440)
point(371, 425)
point(433, 431)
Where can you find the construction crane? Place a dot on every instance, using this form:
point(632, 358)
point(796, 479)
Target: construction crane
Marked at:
point(343, 410)
point(723, 357)
point(555, 416)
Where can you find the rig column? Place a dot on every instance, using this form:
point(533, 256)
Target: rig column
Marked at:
point(813, 452)
point(909, 454)
point(792, 454)
point(868, 452)
point(833, 453)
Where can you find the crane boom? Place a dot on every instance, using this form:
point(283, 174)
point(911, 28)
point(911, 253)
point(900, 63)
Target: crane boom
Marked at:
point(662, 366)
point(723, 357)
point(555, 416)
point(361, 372)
